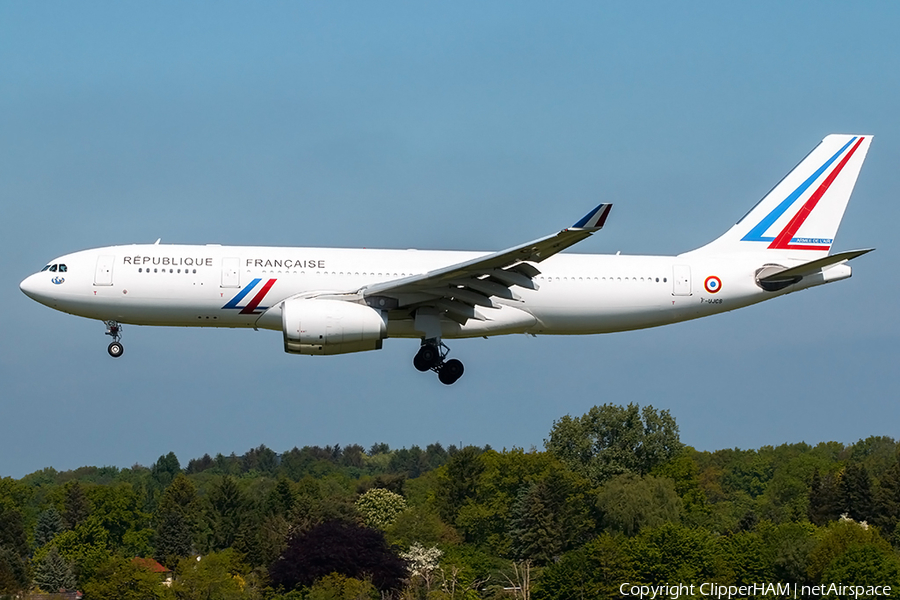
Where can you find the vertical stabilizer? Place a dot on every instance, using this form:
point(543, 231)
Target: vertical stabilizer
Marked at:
point(799, 218)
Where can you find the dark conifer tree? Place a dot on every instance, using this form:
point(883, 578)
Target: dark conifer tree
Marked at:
point(173, 539)
point(227, 507)
point(281, 499)
point(550, 517)
point(198, 465)
point(887, 500)
point(76, 507)
point(353, 456)
point(856, 492)
point(165, 469)
point(459, 482)
point(176, 521)
point(824, 499)
point(49, 525)
point(54, 573)
point(13, 550)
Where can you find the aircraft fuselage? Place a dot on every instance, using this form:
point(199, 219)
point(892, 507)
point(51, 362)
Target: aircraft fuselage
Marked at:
point(238, 286)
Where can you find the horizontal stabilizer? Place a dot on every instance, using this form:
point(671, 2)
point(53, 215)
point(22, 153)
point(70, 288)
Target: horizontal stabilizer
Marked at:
point(813, 267)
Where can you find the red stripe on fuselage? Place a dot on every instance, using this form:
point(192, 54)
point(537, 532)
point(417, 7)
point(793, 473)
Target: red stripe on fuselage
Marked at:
point(783, 241)
point(248, 310)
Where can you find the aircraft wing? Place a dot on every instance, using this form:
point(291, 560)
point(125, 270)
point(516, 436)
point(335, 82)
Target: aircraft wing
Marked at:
point(457, 289)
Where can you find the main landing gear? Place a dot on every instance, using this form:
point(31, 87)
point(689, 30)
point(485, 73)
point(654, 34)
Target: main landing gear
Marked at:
point(430, 357)
point(114, 330)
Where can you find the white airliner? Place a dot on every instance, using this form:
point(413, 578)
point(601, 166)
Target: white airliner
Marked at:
point(336, 300)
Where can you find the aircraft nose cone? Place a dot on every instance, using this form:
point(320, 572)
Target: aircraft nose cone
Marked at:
point(31, 286)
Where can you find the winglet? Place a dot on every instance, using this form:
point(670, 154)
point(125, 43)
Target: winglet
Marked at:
point(595, 219)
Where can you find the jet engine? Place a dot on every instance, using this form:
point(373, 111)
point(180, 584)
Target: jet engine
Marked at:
point(314, 326)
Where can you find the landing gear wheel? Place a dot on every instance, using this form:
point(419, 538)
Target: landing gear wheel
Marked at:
point(427, 357)
point(114, 330)
point(450, 371)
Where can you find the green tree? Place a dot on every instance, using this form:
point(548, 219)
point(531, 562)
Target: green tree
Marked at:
point(76, 506)
point(260, 459)
point(281, 499)
point(887, 498)
point(856, 492)
point(54, 573)
point(684, 472)
point(340, 587)
point(629, 503)
point(866, 565)
point(121, 579)
point(457, 482)
point(226, 513)
point(673, 552)
point(176, 515)
point(837, 539)
point(550, 517)
point(13, 548)
point(173, 539)
point(825, 503)
point(749, 557)
point(611, 440)
point(485, 517)
point(379, 508)
point(165, 469)
point(117, 508)
point(790, 545)
point(594, 571)
point(420, 524)
point(49, 525)
point(219, 575)
point(86, 547)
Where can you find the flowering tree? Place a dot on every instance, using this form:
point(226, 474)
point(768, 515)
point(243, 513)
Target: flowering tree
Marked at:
point(379, 507)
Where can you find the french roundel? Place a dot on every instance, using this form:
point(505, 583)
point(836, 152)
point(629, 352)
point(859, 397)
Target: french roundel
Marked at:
point(712, 284)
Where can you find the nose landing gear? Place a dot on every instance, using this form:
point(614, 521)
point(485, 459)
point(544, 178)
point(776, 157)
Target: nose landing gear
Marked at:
point(114, 330)
point(430, 357)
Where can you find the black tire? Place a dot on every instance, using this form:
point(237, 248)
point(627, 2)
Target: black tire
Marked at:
point(427, 357)
point(451, 372)
point(115, 349)
point(419, 363)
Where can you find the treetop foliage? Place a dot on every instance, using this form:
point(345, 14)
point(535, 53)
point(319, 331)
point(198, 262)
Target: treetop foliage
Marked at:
point(611, 440)
point(615, 496)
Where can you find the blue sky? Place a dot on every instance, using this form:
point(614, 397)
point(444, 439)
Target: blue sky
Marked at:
point(426, 125)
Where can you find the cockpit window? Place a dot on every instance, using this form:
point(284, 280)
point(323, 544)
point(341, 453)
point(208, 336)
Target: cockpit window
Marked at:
point(45, 268)
point(63, 268)
point(53, 269)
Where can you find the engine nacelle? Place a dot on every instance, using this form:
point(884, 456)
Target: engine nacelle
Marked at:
point(313, 326)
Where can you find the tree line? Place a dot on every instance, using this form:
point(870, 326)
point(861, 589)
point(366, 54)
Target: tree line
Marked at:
point(613, 497)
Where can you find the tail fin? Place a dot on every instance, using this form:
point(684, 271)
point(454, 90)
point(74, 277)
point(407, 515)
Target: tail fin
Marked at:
point(800, 216)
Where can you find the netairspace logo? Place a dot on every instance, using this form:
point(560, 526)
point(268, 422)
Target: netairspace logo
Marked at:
point(756, 590)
